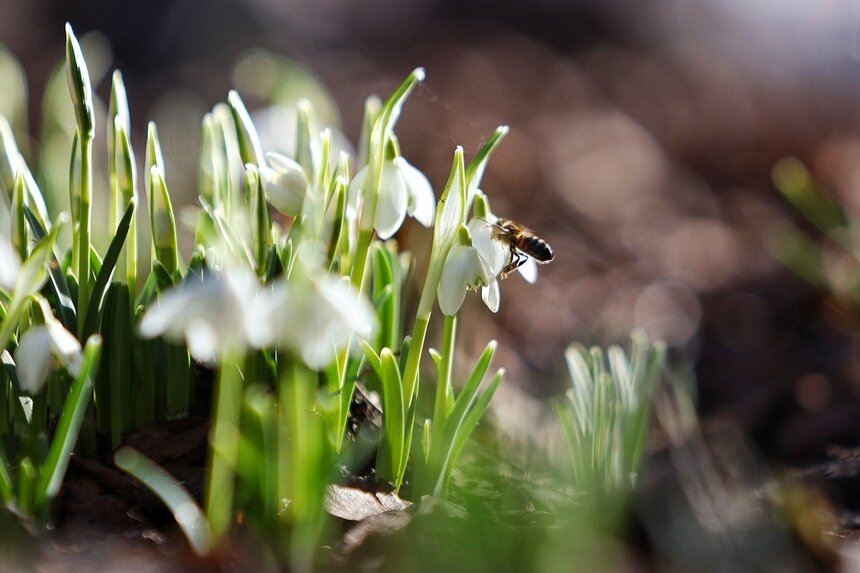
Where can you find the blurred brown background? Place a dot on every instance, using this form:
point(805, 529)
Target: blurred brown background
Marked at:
point(641, 147)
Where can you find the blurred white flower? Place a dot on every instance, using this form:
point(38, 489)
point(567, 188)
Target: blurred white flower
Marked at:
point(10, 264)
point(211, 314)
point(43, 348)
point(315, 316)
point(286, 183)
point(403, 190)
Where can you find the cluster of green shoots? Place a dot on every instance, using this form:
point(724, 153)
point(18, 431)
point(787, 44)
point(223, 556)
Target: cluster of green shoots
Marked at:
point(294, 289)
point(606, 412)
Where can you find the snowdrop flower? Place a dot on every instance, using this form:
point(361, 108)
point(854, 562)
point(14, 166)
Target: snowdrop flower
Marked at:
point(403, 190)
point(10, 264)
point(211, 313)
point(468, 267)
point(286, 183)
point(43, 348)
point(315, 316)
point(464, 270)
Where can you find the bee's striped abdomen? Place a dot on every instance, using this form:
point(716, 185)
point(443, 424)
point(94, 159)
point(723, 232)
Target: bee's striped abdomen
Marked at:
point(536, 248)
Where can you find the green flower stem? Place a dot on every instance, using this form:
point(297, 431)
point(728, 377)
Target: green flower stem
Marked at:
point(224, 445)
point(444, 389)
point(178, 392)
point(26, 485)
point(365, 237)
point(83, 228)
point(7, 489)
point(304, 463)
point(422, 321)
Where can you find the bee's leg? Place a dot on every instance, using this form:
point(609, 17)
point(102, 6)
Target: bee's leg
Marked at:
point(517, 260)
point(521, 260)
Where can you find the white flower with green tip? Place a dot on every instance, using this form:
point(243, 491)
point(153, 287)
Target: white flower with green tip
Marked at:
point(403, 190)
point(286, 183)
point(469, 267)
point(210, 314)
point(42, 349)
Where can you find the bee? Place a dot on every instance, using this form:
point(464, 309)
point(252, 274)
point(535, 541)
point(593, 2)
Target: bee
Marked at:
point(523, 244)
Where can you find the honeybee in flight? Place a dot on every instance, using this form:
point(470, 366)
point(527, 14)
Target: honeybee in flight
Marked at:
point(523, 244)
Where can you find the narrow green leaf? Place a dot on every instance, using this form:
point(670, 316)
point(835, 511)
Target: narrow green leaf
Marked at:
point(120, 364)
point(468, 393)
point(20, 236)
point(478, 165)
point(30, 279)
point(52, 471)
point(9, 157)
point(79, 84)
point(372, 357)
point(63, 301)
point(249, 142)
point(186, 512)
point(163, 224)
point(107, 269)
point(394, 409)
point(465, 430)
point(304, 138)
point(792, 178)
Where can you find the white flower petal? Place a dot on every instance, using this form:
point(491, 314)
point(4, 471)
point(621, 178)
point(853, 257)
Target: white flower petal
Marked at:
point(529, 270)
point(354, 193)
point(314, 317)
point(452, 214)
point(286, 183)
point(33, 359)
point(202, 341)
point(392, 202)
point(64, 346)
point(40, 349)
point(494, 252)
point(210, 314)
point(5, 215)
point(490, 295)
point(421, 200)
point(10, 264)
point(463, 269)
point(348, 307)
point(259, 319)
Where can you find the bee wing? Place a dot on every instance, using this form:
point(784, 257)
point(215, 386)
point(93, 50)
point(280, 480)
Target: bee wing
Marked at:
point(529, 270)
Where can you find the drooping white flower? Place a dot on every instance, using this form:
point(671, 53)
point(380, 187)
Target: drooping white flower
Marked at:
point(403, 190)
point(314, 316)
point(464, 270)
point(469, 267)
point(286, 183)
point(210, 313)
point(10, 264)
point(43, 348)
